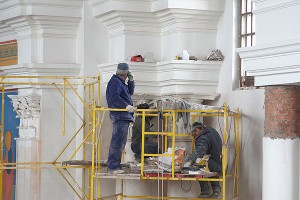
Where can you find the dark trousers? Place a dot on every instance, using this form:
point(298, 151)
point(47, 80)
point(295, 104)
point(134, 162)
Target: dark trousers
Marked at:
point(215, 185)
point(117, 144)
point(149, 147)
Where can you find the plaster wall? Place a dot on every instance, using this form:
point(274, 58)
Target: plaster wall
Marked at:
point(140, 45)
point(53, 50)
point(52, 143)
point(197, 44)
point(285, 13)
point(251, 103)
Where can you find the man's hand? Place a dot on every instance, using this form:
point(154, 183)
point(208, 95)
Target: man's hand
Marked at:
point(130, 109)
point(130, 75)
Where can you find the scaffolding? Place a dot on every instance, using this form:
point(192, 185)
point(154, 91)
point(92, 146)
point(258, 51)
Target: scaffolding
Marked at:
point(91, 132)
point(170, 135)
point(87, 91)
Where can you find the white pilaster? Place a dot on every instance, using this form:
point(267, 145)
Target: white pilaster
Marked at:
point(280, 169)
point(27, 108)
point(28, 180)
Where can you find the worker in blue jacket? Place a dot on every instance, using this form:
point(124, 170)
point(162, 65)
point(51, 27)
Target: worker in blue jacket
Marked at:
point(209, 142)
point(118, 95)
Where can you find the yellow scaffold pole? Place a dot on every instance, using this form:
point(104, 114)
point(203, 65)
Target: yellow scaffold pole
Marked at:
point(2, 137)
point(92, 175)
point(224, 153)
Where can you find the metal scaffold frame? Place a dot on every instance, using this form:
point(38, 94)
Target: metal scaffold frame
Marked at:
point(171, 135)
point(89, 97)
point(92, 120)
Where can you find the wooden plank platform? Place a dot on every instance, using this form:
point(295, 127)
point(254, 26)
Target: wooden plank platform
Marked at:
point(118, 176)
point(131, 176)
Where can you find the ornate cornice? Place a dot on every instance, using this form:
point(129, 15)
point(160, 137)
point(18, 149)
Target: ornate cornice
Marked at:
point(16, 8)
point(41, 17)
point(121, 22)
point(182, 79)
point(39, 69)
point(266, 6)
point(183, 20)
point(160, 16)
point(273, 63)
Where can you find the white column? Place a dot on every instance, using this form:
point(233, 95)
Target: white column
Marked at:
point(28, 180)
point(280, 169)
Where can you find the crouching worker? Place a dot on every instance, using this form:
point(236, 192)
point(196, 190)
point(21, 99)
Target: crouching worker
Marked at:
point(207, 141)
point(150, 142)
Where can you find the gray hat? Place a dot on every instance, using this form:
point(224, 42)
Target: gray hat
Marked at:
point(199, 125)
point(122, 68)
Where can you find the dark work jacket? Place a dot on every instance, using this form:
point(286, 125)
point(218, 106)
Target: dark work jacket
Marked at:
point(118, 95)
point(209, 143)
point(136, 137)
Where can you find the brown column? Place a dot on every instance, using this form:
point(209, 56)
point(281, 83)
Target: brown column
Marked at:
point(282, 112)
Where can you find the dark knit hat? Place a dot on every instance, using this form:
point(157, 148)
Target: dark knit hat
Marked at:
point(122, 68)
point(198, 125)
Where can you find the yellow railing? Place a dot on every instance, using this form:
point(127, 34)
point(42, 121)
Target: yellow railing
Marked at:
point(171, 136)
point(89, 98)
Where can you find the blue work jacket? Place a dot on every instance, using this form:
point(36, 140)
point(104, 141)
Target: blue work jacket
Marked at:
point(118, 95)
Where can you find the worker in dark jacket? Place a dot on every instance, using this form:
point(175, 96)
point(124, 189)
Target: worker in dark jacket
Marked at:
point(209, 142)
point(118, 95)
point(150, 141)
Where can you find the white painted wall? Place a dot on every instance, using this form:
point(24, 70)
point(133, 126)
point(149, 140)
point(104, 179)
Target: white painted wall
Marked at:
point(251, 103)
point(52, 143)
point(284, 13)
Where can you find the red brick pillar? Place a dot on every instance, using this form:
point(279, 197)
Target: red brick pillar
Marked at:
point(282, 112)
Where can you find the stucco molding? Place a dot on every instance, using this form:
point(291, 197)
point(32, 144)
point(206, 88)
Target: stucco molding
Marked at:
point(184, 79)
point(45, 18)
point(152, 17)
point(138, 23)
point(266, 6)
point(273, 63)
point(184, 20)
point(40, 69)
point(16, 8)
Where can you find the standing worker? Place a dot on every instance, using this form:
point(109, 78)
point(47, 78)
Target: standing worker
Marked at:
point(150, 141)
point(207, 141)
point(118, 95)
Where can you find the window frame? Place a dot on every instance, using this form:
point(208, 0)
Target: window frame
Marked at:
point(246, 37)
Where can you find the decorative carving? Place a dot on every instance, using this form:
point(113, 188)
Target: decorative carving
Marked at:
point(28, 110)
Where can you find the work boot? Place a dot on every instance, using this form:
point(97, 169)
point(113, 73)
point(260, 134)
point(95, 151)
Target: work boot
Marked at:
point(204, 194)
point(216, 194)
